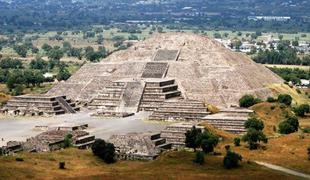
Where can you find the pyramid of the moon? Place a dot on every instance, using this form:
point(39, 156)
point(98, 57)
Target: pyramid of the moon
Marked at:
point(192, 66)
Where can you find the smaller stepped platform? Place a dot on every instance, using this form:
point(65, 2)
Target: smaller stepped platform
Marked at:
point(40, 105)
point(120, 99)
point(139, 146)
point(156, 92)
point(175, 133)
point(181, 110)
point(231, 120)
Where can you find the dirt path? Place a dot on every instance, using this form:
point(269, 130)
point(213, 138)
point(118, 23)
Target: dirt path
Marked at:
point(283, 169)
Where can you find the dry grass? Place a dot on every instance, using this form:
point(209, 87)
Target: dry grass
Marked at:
point(289, 151)
point(271, 114)
point(285, 89)
point(288, 66)
point(83, 165)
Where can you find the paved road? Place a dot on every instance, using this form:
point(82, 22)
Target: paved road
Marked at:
point(21, 128)
point(283, 169)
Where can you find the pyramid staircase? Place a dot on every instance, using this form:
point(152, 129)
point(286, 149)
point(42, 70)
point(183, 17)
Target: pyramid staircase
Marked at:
point(156, 92)
point(160, 142)
point(109, 100)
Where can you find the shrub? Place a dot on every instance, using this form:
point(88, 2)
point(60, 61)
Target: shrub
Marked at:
point(199, 158)
point(271, 99)
point(191, 138)
point(248, 101)
point(254, 123)
point(19, 159)
point(106, 151)
point(68, 141)
point(254, 137)
point(302, 110)
point(62, 165)
point(231, 160)
point(285, 99)
point(308, 153)
point(208, 141)
point(288, 126)
point(237, 141)
point(306, 130)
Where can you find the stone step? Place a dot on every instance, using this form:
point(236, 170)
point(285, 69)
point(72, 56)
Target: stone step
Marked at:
point(155, 136)
point(176, 118)
point(165, 146)
point(159, 141)
point(226, 121)
point(165, 95)
point(182, 109)
point(162, 89)
point(160, 83)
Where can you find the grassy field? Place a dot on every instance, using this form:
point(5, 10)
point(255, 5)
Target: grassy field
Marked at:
point(288, 66)
point(83, 165)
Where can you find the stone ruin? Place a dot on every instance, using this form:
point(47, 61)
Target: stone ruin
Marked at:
point(172, 75)
point(32, 105)
point(51, 140)
point(139, 146)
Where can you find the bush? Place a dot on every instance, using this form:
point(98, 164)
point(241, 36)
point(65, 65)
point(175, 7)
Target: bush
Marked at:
point(306, 130)
point(68, 141)
point(19, 159)
point(231, 160)
point(62, 165)
point(208, 141)
point(302, 110)
point(237, 141)
point(288, 126)
point(199, 158)
point(248, 101)
point(106, 151)
point(308, 153)
point(253, 137)
point(254, 123)
point(271, 99)
point(191, 138)
point(285, 99)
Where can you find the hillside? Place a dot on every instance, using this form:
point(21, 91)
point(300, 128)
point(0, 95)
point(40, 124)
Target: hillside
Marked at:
point(83, 165)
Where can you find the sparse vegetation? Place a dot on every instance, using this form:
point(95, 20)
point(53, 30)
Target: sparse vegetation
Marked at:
point(199, 158)
point(248, 101)
point(237, 141)
point(231, 160)
point(254, 133)
point(302, 110)
point(106, 151)
point(288, 126)
point(285, 99)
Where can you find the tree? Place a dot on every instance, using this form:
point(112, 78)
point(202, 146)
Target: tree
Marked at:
point(302, 109)
point(271, 99)
point(63, 73)
point(105, 151)
point(207, 141)
point(21, 50)
point(199, 158)
point(15, 78)
point(237, 141)
point(231, 160)
point(66, 46)
point(68, 141)
point(100, 39)
point(191, 138)
point(254, 123)
point(46, 47)
point(295, 43)
point(160, 29)
point(38, 64)
point(56, 53)
point(285, 99)
point(253, 137)
point(248, 101)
